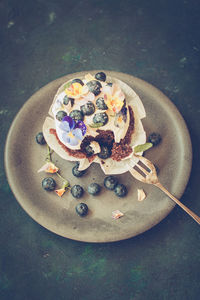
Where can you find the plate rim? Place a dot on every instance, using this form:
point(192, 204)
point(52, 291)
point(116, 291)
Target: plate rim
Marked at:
point(118, 75)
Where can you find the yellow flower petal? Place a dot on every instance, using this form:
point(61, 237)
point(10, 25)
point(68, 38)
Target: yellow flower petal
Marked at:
point(113, 102)
point(75, 90)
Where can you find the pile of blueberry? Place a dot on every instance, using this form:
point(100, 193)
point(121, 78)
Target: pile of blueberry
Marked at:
point(112, 184)
point(88, 109)
point(77, 192)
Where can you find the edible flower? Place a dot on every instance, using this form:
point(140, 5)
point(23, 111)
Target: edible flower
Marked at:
point(79, 92)
point(75, 90)
point(73, 132)
point(116, 214)
point(114, 98)
point(49, 167)
point(61, 191)
point(121, 117)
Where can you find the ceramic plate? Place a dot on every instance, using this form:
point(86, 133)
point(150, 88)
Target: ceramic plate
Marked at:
point(23, 157)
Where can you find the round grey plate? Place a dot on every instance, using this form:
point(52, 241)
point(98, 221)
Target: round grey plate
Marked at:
point(23, 157)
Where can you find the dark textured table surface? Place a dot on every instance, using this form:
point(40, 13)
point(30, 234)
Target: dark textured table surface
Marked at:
point(157, 41)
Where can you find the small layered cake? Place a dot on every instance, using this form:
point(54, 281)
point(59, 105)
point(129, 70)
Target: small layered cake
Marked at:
point(96, 119)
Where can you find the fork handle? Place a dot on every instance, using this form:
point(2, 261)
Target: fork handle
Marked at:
point(186, 209)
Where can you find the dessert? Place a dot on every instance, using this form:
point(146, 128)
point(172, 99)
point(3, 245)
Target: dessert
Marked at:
point(96, 119)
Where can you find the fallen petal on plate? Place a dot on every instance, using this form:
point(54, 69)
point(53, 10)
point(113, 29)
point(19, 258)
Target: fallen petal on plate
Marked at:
point(116, 214)
point(60, 192)
point(141, 195)
point(48, 168)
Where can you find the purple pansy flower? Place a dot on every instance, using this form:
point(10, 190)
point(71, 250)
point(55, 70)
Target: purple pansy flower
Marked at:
point(73, 132)
point(82, 126)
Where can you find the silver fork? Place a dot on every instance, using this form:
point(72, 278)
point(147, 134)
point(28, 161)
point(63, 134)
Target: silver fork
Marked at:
point(147, 174)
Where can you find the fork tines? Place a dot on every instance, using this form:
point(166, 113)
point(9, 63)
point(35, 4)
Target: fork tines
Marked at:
point(143, 169)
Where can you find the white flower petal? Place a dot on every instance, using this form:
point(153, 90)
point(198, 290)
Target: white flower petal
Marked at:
point(141, 195)
point(73, 141)
point(77, 133)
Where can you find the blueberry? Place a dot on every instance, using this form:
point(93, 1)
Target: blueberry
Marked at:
point(77, 191)
point(100, 103)
point(88, 109)
point(78, 81)
point(76, 172)
point(120, 190)
point(82, 209)
point(89, 151)
point(101, 118)
point(157, 169)
point(67, 99)
point(154, 138)
point(48, 184)
point(110, 182)
point(110, 84)
point(60, 115)
point(100, 76)
point(94, 87)
point(76, 115)
point(105, 152)
point(94, 188)
point(40, 138)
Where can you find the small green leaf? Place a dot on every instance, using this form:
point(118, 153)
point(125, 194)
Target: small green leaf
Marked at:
point(67, 85)
point(96, 125)
point(143, 147)
point(65, 184)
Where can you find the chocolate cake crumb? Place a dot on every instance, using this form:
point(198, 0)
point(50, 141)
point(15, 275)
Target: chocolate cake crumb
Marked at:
point(105, 137)
point(120, 151)
point(85, 142)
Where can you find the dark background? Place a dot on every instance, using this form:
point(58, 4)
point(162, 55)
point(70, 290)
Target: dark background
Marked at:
point(158, 41)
